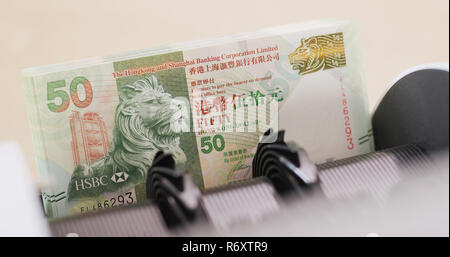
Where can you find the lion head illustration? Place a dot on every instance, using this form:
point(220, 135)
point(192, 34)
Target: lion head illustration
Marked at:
point(147, 120)
point(319, 52)
point(308, 57)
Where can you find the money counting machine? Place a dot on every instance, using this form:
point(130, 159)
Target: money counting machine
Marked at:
point(410, 129)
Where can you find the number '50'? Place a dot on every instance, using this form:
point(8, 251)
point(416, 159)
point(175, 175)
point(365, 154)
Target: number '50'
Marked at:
point(57, 90)
point(218, 143)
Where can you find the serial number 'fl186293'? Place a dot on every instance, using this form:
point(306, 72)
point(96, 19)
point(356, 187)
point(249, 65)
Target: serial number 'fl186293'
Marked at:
point(117, 201)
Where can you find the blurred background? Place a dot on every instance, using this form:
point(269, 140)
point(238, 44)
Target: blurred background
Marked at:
point(395, 36)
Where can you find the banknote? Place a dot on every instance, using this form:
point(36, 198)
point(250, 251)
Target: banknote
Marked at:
point(97, 124)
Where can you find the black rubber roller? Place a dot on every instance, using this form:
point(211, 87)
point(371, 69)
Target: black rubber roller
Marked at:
point(173, 191)
point(286, 165)
point(290, 170)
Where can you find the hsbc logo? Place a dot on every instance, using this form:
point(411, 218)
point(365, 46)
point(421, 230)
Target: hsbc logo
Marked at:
point(94, 182)
point(119, 177)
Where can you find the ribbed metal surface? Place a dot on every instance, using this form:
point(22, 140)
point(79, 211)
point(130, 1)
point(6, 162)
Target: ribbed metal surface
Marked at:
point(375, 173)
point(143, 220)
point(246, 203)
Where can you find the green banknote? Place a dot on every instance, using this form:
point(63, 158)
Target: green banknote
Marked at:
point(97, 124)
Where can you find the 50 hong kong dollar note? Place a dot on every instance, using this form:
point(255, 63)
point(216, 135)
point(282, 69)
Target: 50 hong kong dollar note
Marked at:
point(97, 124)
